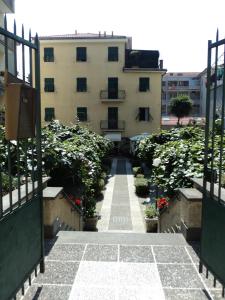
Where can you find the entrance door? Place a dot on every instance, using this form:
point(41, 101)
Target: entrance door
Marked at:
point(112, 117)
point(113, 88)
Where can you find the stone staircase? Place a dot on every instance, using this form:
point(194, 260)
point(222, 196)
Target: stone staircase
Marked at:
point(126, 266)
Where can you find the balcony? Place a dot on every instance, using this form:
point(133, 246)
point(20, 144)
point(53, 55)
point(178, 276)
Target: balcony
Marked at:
point(112, 95)
point(112, 125)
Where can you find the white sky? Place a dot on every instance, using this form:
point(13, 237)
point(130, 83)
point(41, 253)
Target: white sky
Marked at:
point(179, 29)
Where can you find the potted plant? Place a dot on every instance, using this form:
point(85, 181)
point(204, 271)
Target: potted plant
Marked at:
point(91, 217)
point(151, 218)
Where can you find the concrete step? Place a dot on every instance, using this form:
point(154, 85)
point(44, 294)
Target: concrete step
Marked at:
point(125, 238)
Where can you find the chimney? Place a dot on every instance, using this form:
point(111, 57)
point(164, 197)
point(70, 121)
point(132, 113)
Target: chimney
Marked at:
point(161, 64)
point(76, 32)
point(112, 33)
point(99, 33)
point(104, 33)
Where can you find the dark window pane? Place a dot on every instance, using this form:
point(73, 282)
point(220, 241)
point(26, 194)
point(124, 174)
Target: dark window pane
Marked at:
point(144, 84)
point(112, 53)
point(143, 113)
point(49, 85)
point(81, 54)
point(48, 54)
point(49, 113)
point(82, 113)
point(81, 84)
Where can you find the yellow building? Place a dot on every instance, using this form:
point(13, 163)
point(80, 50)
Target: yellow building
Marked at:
point(100, 80)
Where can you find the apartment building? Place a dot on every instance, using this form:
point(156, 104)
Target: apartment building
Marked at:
point(101, 81)
point(182, 83)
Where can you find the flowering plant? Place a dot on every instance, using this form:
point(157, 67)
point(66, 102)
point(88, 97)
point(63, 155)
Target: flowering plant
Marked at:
point(77, 201)
point(162, 202)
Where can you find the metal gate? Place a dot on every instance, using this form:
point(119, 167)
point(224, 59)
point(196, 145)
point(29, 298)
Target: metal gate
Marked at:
point(21, 212)
point(213, 210)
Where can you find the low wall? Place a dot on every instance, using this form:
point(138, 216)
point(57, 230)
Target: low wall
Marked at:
point(183, 214)
point(59, 212)
point(170, 217)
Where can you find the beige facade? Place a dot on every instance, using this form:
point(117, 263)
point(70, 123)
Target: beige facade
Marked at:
point(100, 73)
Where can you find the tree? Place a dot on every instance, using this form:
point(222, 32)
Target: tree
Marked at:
point(180, 107)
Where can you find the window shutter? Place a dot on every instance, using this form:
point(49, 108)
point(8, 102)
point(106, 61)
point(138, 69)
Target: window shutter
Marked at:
point(49, 113)
point(112, 53)
point(82, 114)
point(49, 85)
point(81, 54)
point(48, 54)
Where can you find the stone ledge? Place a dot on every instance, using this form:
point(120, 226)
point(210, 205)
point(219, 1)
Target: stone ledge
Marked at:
point(191, 194)
point(50, 193)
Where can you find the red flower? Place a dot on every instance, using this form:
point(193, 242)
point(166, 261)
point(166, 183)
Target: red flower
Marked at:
point(78, 202)
point(162, 202)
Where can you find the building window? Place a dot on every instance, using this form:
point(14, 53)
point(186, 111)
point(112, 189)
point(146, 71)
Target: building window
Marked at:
point(49, 85)
point(143, 114)
point(113, 54)
point(82, 114)
point(144, 84)
point(48, 54)
point(81, 84)
point(81, 54)
point(49, 114)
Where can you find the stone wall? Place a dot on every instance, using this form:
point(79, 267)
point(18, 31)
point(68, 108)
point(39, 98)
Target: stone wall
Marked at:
point(59, 214)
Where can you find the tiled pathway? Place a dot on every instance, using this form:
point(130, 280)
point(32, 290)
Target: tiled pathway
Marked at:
point(120, 266)
point(121, 210)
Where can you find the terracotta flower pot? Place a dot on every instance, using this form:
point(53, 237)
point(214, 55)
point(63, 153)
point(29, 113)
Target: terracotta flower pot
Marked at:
point(151, 224)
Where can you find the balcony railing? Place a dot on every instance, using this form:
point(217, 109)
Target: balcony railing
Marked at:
point(114, 95)
point(181, 87)
point(112, 125)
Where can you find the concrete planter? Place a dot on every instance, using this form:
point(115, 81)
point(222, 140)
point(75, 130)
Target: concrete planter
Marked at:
point(151, 224)
point(90, 224)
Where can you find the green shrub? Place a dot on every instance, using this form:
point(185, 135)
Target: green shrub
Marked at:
point(137, 170)
point(103, 175)
point(141, 186)
point(99, 186)
point(140, 176)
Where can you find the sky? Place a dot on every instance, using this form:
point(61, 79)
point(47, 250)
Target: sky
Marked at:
point(179, 29)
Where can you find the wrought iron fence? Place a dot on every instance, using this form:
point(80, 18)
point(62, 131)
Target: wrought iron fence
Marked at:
point(21, 212)
point(213, 206)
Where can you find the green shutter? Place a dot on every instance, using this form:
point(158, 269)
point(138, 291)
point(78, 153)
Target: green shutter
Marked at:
point(48, 54)
point(113, 54)
point(49, 85)
point(81, 84)
point(81, 54)
point(82, 114)
point(49, 113)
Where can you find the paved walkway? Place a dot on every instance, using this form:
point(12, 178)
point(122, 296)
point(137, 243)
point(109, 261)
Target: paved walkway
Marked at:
point(121, 210)
point(121, 266)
